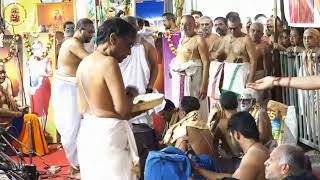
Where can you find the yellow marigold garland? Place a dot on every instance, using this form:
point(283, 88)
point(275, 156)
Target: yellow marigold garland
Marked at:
point(173, 49)
point(27, 45)
point(12, 49)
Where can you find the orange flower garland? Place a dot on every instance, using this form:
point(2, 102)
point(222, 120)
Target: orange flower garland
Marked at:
point(173, 49)
point(29, 50)
point(12, 50)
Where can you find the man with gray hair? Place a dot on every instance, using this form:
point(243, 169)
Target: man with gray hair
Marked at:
point(287, 162)
point(263, 52)
point(211, 39)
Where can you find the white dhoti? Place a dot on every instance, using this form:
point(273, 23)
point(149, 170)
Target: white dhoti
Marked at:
point(135, 69)
point(235, 77)
point(215, 72)
point(66, 114)
point(186, 81)
point(107, 149)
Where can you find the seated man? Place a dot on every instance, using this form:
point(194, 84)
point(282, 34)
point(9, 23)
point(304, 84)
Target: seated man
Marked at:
point(229, 152)
point(243, 129)
point(12, 115)
point(250, 102)
point(287, 162)
point(190, 130)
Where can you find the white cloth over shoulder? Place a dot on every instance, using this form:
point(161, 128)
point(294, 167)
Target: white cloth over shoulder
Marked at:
point(107, 149)
point(66, 114)
point(186, 81)
point(135, 69)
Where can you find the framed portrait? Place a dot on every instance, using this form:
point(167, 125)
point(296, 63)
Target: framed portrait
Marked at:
point(53, 15)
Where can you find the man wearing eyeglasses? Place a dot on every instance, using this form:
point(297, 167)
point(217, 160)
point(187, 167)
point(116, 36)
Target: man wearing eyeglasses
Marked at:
point(64, 88)
point(240, 63)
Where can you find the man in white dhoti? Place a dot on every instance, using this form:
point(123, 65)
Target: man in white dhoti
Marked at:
point(240, 63)
point(142, 65)
point(106, 145)
point(64, 97)
point(189, 69)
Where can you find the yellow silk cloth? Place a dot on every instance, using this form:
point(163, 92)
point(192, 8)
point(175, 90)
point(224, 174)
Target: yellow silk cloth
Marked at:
point(39, 143)
point(179, 129)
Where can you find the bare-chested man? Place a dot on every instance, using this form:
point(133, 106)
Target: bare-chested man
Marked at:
point(213, 43)
point(64, 92)
point(244, 131)
point(229, 152)
point(189, 69)
point(211, 39)
point(240, 63)
point(13, 115)
point(191, 129)
point(196, 15)
point(169, 22)
point(270, 30)
point(106, 145)
point(263, 54)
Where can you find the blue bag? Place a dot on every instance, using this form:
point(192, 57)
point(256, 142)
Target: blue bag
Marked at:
point(167, 164)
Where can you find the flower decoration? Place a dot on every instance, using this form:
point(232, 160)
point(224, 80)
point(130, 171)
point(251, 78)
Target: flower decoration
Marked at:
point(173, 49)
point(27, 45)
point(12, 49)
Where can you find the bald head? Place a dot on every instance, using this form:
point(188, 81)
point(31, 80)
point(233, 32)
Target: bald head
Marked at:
point(187, 25)
point(188, 17)
point(311, 38)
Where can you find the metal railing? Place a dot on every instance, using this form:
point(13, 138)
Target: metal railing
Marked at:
point(306, 102)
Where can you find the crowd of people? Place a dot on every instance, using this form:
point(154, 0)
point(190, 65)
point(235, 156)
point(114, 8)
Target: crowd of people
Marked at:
point(217, 106)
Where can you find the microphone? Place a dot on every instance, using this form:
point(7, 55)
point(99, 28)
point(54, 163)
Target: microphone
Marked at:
point(2, 130)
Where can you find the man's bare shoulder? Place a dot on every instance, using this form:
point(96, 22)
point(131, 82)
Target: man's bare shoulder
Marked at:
point(101, 60)
point(257, 155)
point(71, 42)
point(214, 37)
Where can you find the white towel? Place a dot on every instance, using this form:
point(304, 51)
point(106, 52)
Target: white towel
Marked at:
point(186, 81)
point(235, 77)
point(135, 69)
